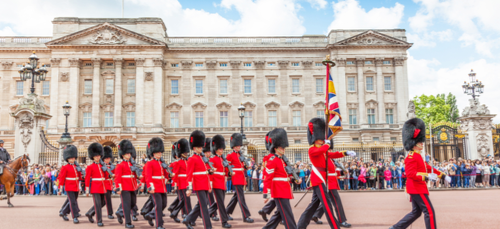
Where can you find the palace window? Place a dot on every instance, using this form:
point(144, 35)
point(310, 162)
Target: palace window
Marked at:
point(223, 86)
point(371, 116)
point(355, 139)
point(271, 86)
point(87, 119)
point(88, 64)
point(387, 62)
point(199, 86)
point(248, 86)
point(87, 87)
point(389, 116)
point(319, 85)
point(247, 64)
point(387, 83)
point(248, 119)
point(174, 87)
point(368, 62)
point(46, 87)
point(393, 139)
point(174, 119)
point(295, 86)
point(131, 64)
point(351, 84)
point(318, 64)
point(295, 64)
point(369, 83)
point(376, 139)
point(19, 87)
point(174, 65)
point(223, 65)
point(130, 119)
point(108, 119)
point(199, 65)
point(320, 114)
point(131, 86)
point(349, 62)
point(352, 117)
point(109, 86)
point(272, 118)
point(109, 64)
point(199, 118)
point(223, 119)
point(271, 64)
point(297, 118)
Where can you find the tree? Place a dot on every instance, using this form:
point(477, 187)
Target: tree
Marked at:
point(432, 108)
point(452, 101)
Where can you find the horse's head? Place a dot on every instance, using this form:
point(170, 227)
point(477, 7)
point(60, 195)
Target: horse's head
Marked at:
point(25, 161)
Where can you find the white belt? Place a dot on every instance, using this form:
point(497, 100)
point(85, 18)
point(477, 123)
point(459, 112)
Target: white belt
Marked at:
point(71, 178)
point(281, 179)
point(332, 174)
point(98, 179)
point(128, 176)
point(219, 173)
point(237, 169)
point(182, 175)
point(158, 177)
point(200, 173)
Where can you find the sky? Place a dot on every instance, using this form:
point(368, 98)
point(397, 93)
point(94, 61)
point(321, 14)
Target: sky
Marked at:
point(450, 37)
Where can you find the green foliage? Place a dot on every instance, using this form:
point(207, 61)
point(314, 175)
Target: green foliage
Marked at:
point(432, 108)
point(452, 101)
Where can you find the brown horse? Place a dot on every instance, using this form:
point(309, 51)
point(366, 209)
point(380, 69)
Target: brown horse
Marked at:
point(8, 178)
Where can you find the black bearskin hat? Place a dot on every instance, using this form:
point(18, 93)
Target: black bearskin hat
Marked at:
point(236, 140)
point(70, 151)
point(124, 147)
point(108, 153)
point(277, 138)
point(413, 133)
point(208, 143)
point(182, 147)
point(316, 130)
point(218, 142)
point(197, 139)
point(267, 141)
point(155, 145)
point(95, 149)
point(174, 150)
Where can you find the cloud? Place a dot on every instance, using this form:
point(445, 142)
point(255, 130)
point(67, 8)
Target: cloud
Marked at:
point(426, 77)
point(7, 31)
point(428, 39)
point(318, 4)
point(348, 14)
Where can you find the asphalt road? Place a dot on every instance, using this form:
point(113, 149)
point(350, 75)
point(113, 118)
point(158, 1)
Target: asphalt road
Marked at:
point(454, 209)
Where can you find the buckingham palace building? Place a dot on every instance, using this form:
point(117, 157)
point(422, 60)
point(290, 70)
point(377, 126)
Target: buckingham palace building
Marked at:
point(125, 78)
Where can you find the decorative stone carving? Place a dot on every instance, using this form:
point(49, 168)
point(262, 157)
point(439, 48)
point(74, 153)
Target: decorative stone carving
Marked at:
point(139, 62)
point(174, 106)
point(475, 108)
point(399, 60)
point(283, 64)
point(106, 37)
point(108, 98)
point(64, 77)
point(340, 62)
point(32, 102)
point(109, 74)
point(372, 104)
point(211, 64)
point(483, 147)
point(55, 62)
point(319, 104)
point(369, 41)
point(186, 64)
point(96, 62)
point(118, 62)
point(148, 76)
point(223, 106)
point(129, 107)
point(7, 65)
point(107, 107)
point(272, 105)
point(360, 61)
point(411, 110)
point(391, 105)
point(372, 38)
point(199, 105)
point(26, 125)
point(235, 64)
point(296, 104)
point(74, 62)
point(158, 62)
point(249, 105)
point(352, 105)
point(307, 63)
point(259, 64)
point(86, 107)
point(379, 61)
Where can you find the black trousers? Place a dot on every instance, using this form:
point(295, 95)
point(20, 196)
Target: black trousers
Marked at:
point(269, 207)
point(71, 204)
point(420, 203)
point(119, 211)
point(152, 213)
point(99, 199)
point(337, 205)
point(319, 196)
point(129, 200)
point(220, 195)
point(107, 202)
point(160, 200)
point(200, 209)
point(284, 213)
point(238, 197)
point(211, 201)
point(148, 206)
point(174, 203)
point(184, 203)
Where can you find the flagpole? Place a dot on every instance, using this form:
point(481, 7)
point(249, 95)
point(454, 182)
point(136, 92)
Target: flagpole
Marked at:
point(328, 63)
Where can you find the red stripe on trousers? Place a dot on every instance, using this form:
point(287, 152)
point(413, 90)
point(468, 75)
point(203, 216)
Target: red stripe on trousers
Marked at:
point(283, 213)
point(336, 205)
point(429, 208)
point(241, 206)
point(327, 206)
point(201, 209)
point(156, 215)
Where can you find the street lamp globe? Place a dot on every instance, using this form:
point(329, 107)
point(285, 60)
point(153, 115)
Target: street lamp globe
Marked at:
point(43, 73)
point(66, 108)
point(34, 60)
point(241, 109)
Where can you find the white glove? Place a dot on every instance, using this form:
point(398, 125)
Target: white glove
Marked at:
point(433, 176)
point(351, 153)
point(447, 179)
point(327, 141)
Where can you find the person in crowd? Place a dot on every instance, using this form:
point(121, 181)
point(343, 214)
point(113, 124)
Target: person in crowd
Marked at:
point(388, 178)
point(466, 173)
point(486, 174)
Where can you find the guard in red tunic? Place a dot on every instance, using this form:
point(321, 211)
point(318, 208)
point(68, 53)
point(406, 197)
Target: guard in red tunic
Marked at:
point(106, 166)
point(317, 156)
point(269, 207)
point(238, 178)
point(176, 205)
point(156, 176)
point(148, 205)
point(278, 182)
point(219, 180)
point(126, 182)
point(69, 179)
point(207, 153)
point(94, 174)
point(418, 172)
point(180, 177)
point(199, 181)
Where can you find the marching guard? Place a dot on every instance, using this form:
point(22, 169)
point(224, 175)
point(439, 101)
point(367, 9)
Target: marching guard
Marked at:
point(317, 156)
point(156, 177)
point(278, 181)
point(69, 180)
point(94, 174)
point(269, 207)
point(199, 181)
point(125, 182)
point(176, 205)
point(211, 200)
point(219, 178)
point(107, 160)
point(180, 178)
point(148, 205)
point(238, 179)
point(417, 173)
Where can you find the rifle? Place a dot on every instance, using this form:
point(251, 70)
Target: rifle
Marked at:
point(225, 163)
point(341, 166)
point(105, 168)
point(134, 168)
point(79, 169)
point(207, 161)
point(165, 166)
point(289, 169)
point(246, 160)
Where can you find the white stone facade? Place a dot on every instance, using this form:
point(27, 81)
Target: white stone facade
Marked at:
point(370, 73)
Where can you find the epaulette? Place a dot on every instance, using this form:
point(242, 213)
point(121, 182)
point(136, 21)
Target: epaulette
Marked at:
point(272, 158)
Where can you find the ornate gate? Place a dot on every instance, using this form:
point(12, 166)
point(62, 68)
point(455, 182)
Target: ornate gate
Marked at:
point(447, 142)
point(496, 140)
point(49, 154)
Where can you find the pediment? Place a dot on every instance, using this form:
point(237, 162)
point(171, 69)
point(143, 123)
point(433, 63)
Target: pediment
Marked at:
point(372, 38)
point(199, 105)
point(174, 105)
point(296, 104)
point(223, 105)
point(249, 104)
point(319, 104)
point(272, 105)
point(105, 34)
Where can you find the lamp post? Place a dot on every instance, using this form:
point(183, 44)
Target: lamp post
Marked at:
point(474, 87)
point(31, 71)
point(241, 109)
point(66, 109)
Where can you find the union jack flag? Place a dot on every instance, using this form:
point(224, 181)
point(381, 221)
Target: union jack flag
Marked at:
point(332, 107)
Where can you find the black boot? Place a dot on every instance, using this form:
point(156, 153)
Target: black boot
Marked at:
point(134, 218)
point(263, 214)
point(111, 217)
point(129, 226)
point(90, 217)
point(75, 221)
point(215, 218)
point(248, 220)
point(120, 218)
point(175, 218)
point(65, 218)
point(188, 225)
point(149, 219)
point(100, 224)
point(229, 218)
point(345, 224)
point(226, 225)
point(316, 220)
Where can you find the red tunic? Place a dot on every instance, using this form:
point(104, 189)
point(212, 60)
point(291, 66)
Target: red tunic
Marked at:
point(277, 179)
point(172, 165)
point(333, 183)
point(94, 174)
point(180, 174)
point(416, 169)
point(197, 173)
point(219, 176)
point(124, 177)
point(317, 158)
point(70, 178)
point(264, 173)
point(156, 176)
point(239, 169)
point(143, 179)
point(109, 182)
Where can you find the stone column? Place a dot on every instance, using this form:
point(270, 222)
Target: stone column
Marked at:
point(96, 92)
point(282, 85)
point(401, 89)
point(74, 92)
point(118, 92)
point(159, 104)
point(236, 93)
point(380, 90)
point(4, 101)
point(63, 142)
point(341, 89)
point(211, 95)
point(360, 62)
point(139, 89)
point(259, 112)
point(54, 91)
point(477, 121)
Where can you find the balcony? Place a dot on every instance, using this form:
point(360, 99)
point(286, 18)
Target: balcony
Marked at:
point(227, 42)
